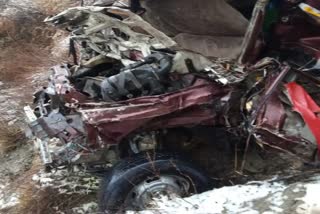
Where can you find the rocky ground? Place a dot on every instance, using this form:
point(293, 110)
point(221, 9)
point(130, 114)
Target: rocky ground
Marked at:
point(28, 49)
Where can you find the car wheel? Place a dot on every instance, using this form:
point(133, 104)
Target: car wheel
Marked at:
point(134, 183)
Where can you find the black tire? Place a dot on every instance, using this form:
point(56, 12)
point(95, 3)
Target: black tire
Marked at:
point(128, 173)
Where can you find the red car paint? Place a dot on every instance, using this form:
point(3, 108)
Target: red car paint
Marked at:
point(307, 107)
point(188, 107)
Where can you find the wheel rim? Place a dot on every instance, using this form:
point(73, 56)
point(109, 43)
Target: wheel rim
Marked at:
point(145, 194)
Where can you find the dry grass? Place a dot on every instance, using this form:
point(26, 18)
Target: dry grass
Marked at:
point(27, 46)
point(55, 6)
point(27, 50)
point(33, 200)
point(48, 201)
point(21, 61)
point(26, 42)
point(11, 137)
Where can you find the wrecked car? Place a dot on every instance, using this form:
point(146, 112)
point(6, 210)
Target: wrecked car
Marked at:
point(154, 81)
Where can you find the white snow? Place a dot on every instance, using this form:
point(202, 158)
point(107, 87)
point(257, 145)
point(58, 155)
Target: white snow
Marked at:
point(268, 197)
point(67, 182)
point(7, 199)
point(311, 200)
point(90, 207)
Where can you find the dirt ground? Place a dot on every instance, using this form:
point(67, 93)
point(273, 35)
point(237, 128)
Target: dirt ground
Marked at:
point(28, 49)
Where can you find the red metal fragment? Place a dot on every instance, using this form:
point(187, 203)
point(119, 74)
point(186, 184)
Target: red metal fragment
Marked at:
point(306, 107)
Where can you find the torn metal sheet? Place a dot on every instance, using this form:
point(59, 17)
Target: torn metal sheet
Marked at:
point(138, 112)
point(100, 32)
point(306, 106)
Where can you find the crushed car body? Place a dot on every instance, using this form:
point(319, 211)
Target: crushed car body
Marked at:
point(148, 75)
point(150, 79)
point(129, 77)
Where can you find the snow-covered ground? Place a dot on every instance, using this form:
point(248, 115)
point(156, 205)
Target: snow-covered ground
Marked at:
point(67, 182)
point(267, 197)
point(7, 200)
